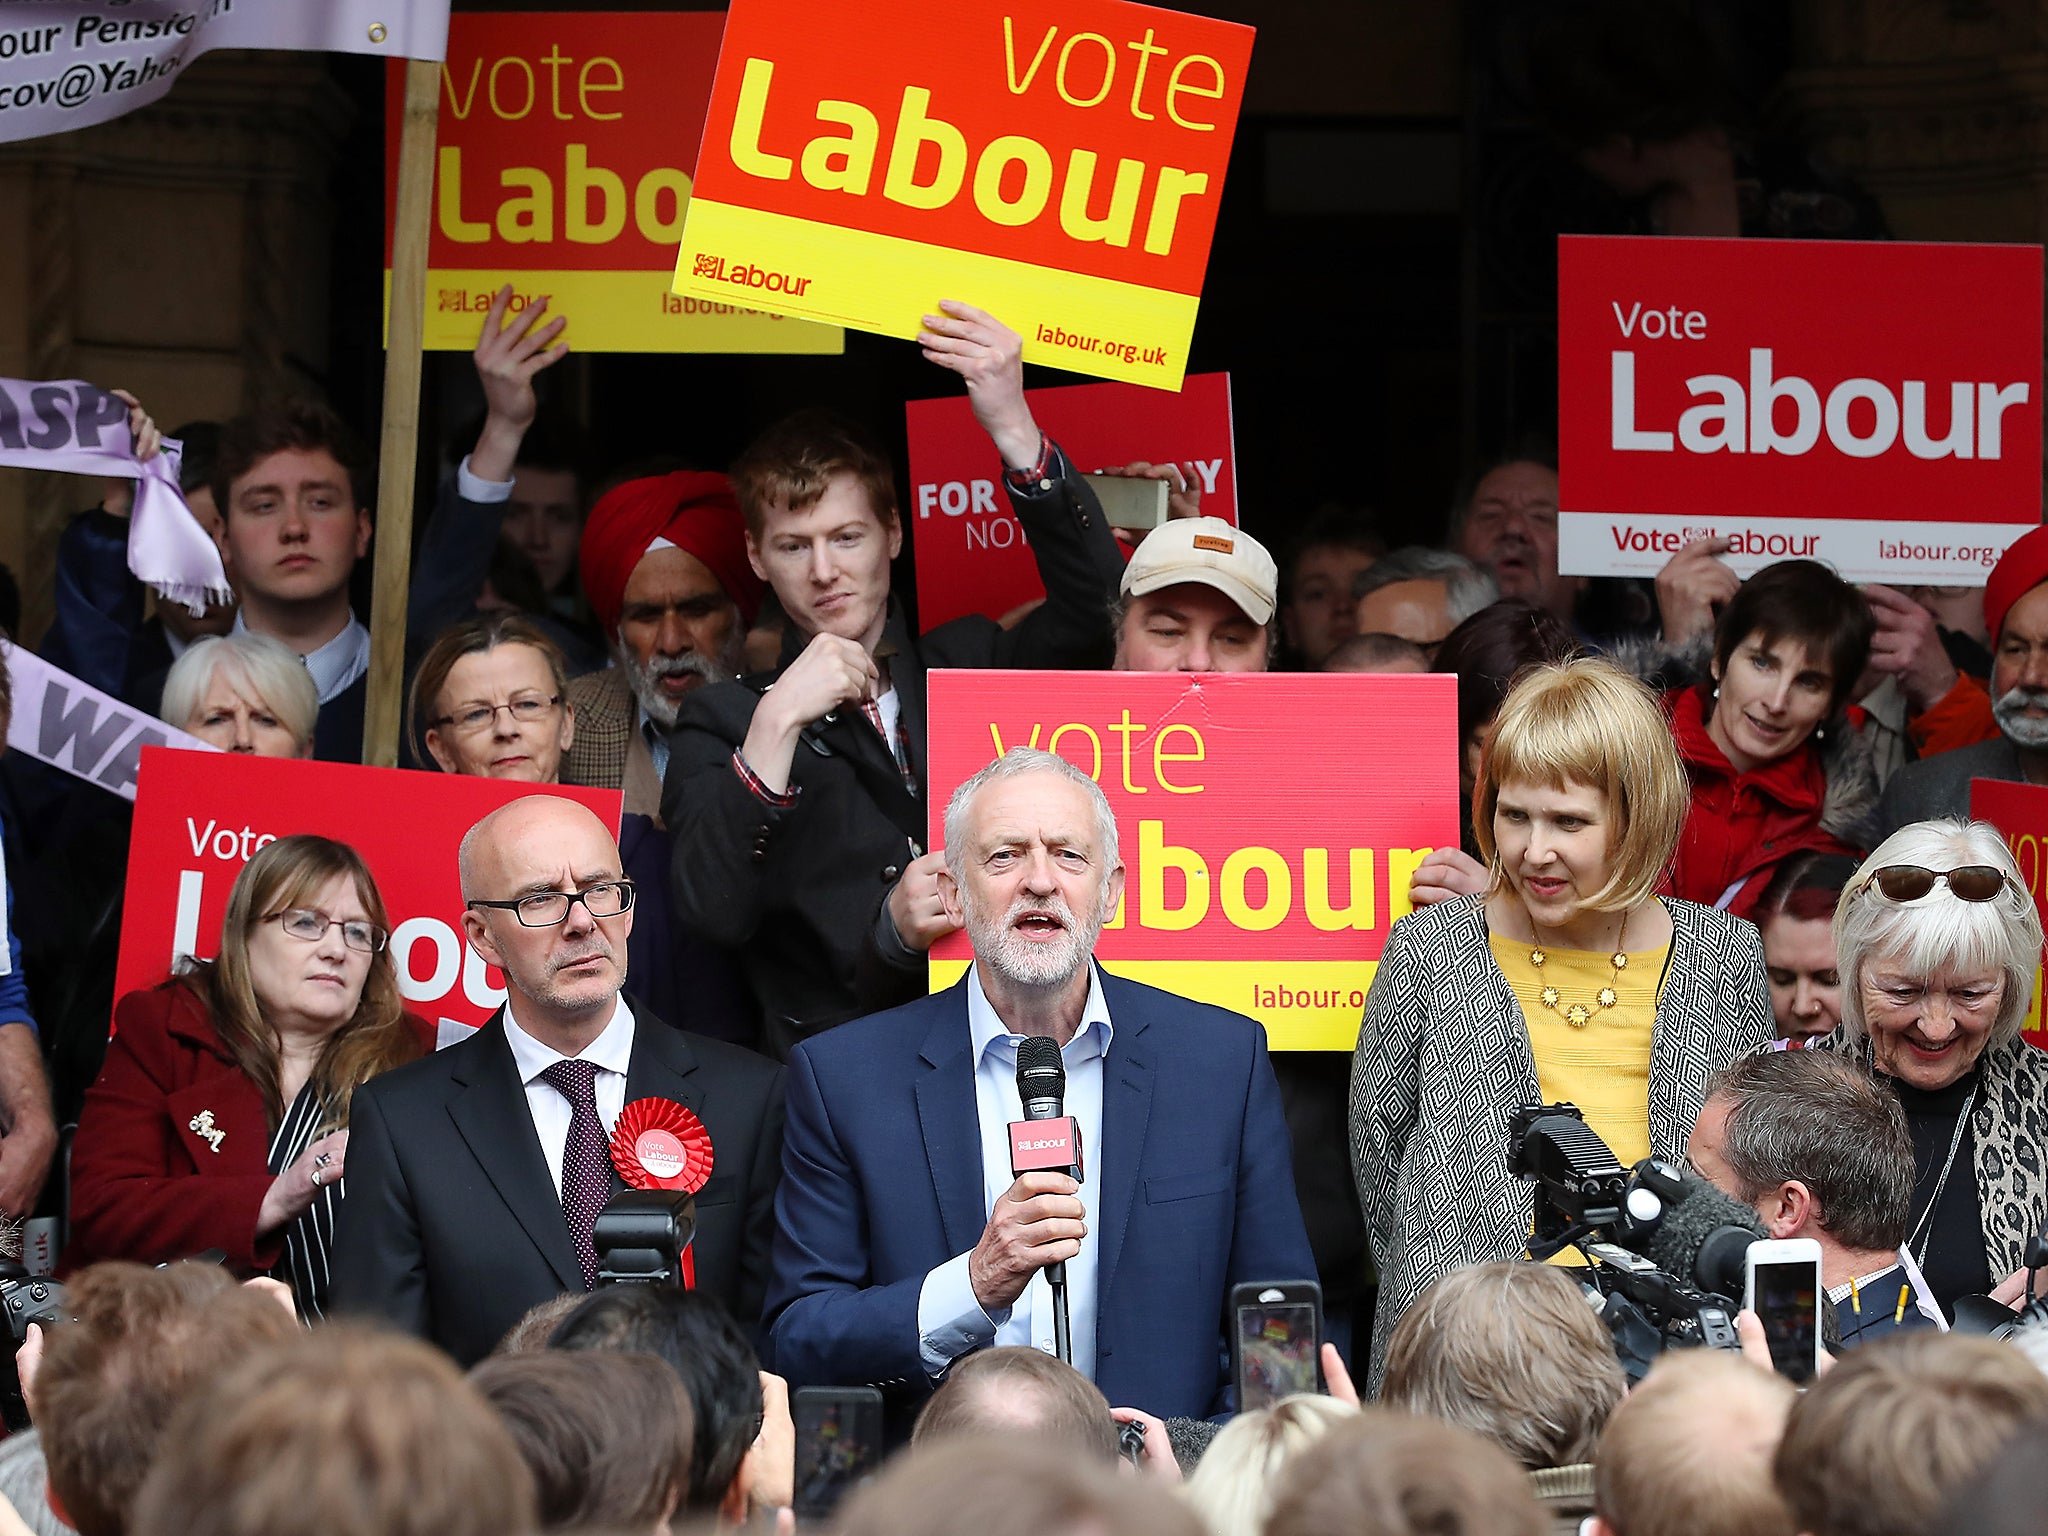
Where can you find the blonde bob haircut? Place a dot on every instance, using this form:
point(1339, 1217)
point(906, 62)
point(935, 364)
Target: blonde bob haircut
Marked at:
point(1940, 932)
point(1587, 722)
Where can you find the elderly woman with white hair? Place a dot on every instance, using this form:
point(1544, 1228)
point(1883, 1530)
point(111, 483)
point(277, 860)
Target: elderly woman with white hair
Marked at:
point(243, 693)
point(1938, 943)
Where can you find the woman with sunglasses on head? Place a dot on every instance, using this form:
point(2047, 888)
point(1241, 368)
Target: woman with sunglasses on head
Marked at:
point(220, 1119)
point(1938, 942)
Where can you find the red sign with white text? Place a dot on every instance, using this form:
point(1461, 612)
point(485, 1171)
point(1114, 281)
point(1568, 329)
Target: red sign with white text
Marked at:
point(2020, 812)
point(199, 816)
point(971, 554)
point(1875, 405)
point(1269, 823)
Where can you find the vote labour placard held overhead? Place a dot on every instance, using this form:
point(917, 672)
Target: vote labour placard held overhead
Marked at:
point(565, 146)
point(1056, 162)
point(1269, 823)
point(200, 816)
point(1873, 405)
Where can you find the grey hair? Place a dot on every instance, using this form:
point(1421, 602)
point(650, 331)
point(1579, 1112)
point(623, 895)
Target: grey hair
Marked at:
point(264, 671)
point(1467, 585)
point(1938, 931)
point(1823, 1120)
point(1014, 764)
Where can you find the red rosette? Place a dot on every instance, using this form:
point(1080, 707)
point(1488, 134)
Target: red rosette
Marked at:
point(658, 1144)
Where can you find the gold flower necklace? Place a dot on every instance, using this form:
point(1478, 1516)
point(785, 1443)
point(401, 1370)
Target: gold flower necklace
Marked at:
point(1578, 1015)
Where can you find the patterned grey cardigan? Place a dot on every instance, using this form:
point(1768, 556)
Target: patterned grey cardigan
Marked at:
point(1443, 1060)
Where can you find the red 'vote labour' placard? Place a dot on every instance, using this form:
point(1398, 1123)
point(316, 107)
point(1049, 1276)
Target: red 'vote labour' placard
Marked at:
point(200, 816)
point(1874, 405)
point(1058, 163)
point(971, 554)
point(2020, 812)
point(1269, 823)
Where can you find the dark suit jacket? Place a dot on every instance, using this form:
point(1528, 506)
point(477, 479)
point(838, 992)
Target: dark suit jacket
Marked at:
point(1190, 1194)
point(797, 889)
point(1940, 785)
point(453, 1229)
point(146, 1185)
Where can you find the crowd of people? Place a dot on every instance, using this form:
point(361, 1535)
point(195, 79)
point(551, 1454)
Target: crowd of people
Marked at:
point(1717, 887)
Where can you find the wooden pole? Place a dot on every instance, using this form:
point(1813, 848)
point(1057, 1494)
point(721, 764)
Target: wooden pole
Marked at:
point(398, 451)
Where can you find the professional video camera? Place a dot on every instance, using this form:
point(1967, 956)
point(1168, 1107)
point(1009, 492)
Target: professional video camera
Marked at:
point(1663, 1246)
point(1982, 1315)
point(24, 1299)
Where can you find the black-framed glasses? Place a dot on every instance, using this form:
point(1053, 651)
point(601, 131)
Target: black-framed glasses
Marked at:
point(477, 718)
point(1909, 882)
point(305, 923)
point(544, 909)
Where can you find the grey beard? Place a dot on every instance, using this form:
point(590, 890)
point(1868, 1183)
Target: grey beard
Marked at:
point(645, 681)
point(2017, 727)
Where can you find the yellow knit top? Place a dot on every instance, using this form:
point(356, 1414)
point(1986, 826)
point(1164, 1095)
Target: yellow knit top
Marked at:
point(1604, 1067)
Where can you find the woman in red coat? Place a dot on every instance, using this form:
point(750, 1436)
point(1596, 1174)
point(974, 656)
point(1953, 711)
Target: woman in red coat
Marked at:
point(220, 1119)
point(1776, 767)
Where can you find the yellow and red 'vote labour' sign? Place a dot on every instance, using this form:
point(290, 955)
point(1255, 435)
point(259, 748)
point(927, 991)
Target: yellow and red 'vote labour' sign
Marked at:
point(1269, 823)
point(565, 146)
point(1056, 162)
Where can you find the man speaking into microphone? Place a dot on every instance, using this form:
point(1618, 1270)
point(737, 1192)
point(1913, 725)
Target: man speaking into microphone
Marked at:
point(925, 1197)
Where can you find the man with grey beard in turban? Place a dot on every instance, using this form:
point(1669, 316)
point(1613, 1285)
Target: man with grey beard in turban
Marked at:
point(2016, 615)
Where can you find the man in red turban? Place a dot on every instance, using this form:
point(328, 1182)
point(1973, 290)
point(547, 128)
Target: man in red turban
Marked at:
point(664, 563)
point(2016, 614)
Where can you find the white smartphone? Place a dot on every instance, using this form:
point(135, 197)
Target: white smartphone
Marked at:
point(1782, 1286)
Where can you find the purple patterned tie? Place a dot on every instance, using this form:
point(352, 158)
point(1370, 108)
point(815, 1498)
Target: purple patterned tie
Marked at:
point(586, 1168)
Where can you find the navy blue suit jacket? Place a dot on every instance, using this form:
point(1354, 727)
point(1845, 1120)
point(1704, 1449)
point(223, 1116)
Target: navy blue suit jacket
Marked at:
point(1190, 1193)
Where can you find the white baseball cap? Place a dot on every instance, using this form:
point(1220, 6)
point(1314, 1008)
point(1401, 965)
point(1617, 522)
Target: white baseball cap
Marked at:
point(1212, 552)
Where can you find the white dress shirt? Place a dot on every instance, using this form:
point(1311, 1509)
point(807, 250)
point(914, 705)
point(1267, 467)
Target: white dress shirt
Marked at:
point(337, 664)
point(612, 1052)
point(950, 1321)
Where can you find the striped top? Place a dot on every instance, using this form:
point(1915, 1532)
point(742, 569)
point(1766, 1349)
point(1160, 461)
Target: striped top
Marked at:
point(309, 1237)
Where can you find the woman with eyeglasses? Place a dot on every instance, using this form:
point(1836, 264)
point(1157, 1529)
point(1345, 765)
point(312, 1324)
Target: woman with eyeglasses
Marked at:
point(491, 698)
point(1938, 943)
point(220, 1119)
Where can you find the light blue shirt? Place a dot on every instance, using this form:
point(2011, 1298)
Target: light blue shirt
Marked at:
point(337, 664)
point(950, 1322)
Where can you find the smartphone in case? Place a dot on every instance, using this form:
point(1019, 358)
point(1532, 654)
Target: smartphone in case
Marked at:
point(1782, 1286)
point(838, 1444)
point(1276, 1336)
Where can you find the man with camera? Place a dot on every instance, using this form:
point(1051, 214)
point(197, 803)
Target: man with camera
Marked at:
point(1820, 1149)
point(476, 1175)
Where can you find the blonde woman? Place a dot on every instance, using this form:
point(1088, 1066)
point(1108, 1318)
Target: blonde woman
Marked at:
point(1233, 1486)
point(1568, 978)
point(243, 693)
point(220, 1120)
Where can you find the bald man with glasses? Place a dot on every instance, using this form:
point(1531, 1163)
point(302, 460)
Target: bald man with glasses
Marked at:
point(475, 1175)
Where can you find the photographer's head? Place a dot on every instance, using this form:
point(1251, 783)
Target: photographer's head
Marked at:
point(1896, 1430)
point(710, 1355)
point(1385, 1474)
point(141, 1343)
point(1819, 1148)
point(1689, 1452)
point(1512, 1352)
point(1016, 1390)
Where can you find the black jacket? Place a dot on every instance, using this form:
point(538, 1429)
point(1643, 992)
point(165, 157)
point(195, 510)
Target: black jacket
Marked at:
point(453, 1229)
point(798, 890)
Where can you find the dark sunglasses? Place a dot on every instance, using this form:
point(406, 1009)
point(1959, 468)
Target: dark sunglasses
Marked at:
point(1909, 882)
